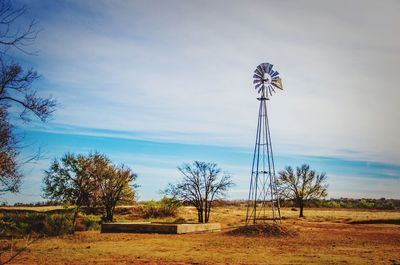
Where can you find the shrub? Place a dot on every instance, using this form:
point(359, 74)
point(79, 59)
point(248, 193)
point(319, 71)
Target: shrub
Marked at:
point(166, 207)
point(21, 224)
point(91, 222)
point(125, 210)
point(365, 204)
point(386, 205)
point(58, 224)
point(332, 204)
point(15, 224)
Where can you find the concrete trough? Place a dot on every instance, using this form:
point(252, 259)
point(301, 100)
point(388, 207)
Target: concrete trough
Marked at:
point(159, 228)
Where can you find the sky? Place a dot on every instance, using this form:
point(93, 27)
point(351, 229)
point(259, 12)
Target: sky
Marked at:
point(154, 84)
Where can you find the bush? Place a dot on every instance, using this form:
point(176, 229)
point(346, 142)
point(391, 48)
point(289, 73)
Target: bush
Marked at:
point(14, 224)
point(21, 224)
point(166, 207)
point(381, 204)
point(58, 224)
point(91, 222)
point(332, 204)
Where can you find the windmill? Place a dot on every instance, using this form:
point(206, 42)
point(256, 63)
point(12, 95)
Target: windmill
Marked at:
point(263, 193)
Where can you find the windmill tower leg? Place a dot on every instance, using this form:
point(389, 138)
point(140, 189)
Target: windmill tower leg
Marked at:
point(263, 192)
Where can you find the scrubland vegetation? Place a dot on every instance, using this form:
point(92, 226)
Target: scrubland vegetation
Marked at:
point(324, 236)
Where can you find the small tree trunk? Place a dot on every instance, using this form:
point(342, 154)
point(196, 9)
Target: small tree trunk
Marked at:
point(75, 216)
point(205, 211)
point(200, 214)
point(301, 209)
point(208, 212)
point(109, 216)
point(109, 213)
point(112, 209)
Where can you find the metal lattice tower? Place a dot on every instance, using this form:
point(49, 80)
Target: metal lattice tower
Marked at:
point(263, 193)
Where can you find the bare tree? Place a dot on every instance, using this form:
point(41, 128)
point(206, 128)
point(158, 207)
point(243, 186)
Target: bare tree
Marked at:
point(200, 186)
point(302, 185)
point(12, 36)
point(16, 91)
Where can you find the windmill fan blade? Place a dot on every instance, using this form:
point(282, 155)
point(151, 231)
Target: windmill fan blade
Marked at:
point(258, 71)
point(275, 74)
point(271, 73)
point(256, 81)
point(265, 67)
point(269, 68)
point(258, 85)
point(272, 88)
point(257, 76)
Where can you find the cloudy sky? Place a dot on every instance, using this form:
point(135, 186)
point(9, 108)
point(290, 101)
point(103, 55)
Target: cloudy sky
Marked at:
point(157, 83)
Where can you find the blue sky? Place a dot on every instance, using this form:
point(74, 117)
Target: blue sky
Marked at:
point(157, 83)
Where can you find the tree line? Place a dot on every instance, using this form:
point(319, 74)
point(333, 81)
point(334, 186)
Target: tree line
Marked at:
point(93, 181)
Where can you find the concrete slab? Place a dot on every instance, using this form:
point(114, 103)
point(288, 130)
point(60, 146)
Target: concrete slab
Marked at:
point(160, 228)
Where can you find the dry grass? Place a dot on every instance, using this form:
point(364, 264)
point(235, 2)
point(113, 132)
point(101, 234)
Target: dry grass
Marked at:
point(263, 230)
point(233, 216)
point(32, 208)
point(324, 237)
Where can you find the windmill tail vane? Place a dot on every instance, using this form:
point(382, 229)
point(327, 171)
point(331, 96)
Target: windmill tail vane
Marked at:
point(263, 192)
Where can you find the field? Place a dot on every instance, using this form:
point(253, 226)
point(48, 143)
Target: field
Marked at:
point(325, 236)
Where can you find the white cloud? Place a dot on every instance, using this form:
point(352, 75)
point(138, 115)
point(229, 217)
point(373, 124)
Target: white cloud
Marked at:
point(366, 187)
point(181, 71)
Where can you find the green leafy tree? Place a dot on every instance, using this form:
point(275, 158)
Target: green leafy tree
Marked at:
point(200, 186)
point(112, 184)
point(89, 181)
point(302, 185)
point(68, 180)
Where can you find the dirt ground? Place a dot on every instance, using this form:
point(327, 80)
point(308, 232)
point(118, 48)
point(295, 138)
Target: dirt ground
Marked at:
point(324, 237)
